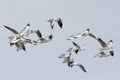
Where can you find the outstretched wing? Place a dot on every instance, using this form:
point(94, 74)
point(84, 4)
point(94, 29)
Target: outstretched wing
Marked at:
point(23, 46)
point(75, 44)
point(103, 44)
point(39, 34)
point(78, 35)
point(51, 21)
point(91, 35)
point(11, 29)
point(59, 21)
point(70, 37)
point(83, 68)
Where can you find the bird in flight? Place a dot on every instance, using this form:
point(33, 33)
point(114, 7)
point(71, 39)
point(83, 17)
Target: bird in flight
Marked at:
point(57, 20)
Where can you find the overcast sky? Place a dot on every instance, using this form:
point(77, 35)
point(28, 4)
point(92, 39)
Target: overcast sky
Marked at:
point(41, 62)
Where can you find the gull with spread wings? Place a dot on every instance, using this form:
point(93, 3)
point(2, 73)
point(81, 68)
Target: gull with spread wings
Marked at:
point(57, 20)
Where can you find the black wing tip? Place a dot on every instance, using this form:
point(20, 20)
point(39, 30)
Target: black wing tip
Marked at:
point(5, 26)
point(85, 71)
point(99, 39)
point(24, 48)
point(112, 53)
point(61, 26)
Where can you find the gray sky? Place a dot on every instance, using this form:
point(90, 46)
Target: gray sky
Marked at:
point(41, 62)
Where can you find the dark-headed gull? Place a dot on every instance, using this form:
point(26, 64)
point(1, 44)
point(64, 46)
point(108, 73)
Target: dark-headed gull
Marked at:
point(71, 37)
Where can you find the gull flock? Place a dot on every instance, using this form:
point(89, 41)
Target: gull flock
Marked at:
point(20, 39)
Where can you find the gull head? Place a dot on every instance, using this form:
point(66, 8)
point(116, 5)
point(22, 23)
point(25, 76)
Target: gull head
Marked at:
point(51, 36)
point(88, 29)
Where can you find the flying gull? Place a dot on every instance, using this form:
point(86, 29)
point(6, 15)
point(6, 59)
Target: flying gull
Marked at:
point(57, 20)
